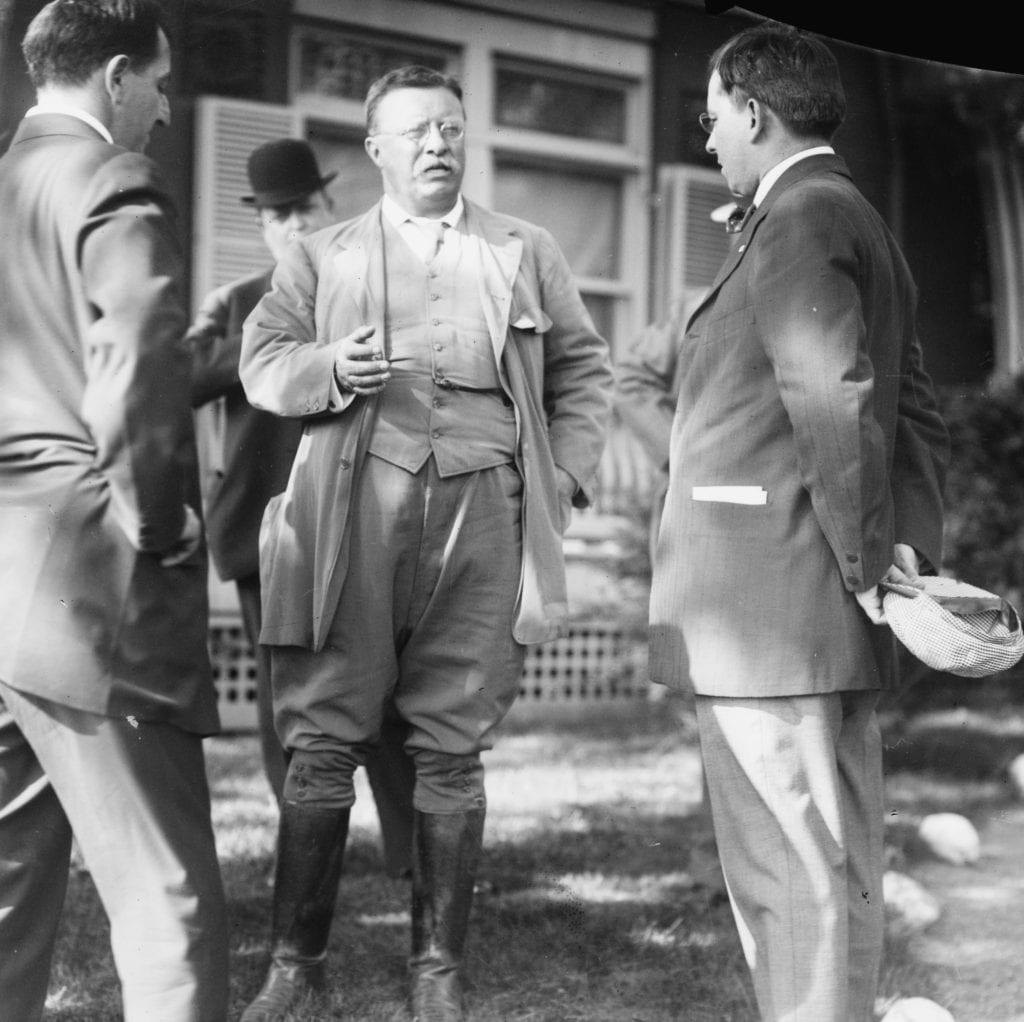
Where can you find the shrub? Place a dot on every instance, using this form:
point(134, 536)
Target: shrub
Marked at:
point(984, 527)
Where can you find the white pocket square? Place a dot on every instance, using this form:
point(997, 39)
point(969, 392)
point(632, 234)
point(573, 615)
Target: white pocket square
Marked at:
point(731, 494)
point(536, 320)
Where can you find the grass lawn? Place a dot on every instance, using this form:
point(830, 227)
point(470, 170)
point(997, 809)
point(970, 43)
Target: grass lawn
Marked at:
point(586, 914)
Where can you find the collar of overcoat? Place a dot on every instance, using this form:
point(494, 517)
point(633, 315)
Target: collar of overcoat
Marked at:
point(40, 125)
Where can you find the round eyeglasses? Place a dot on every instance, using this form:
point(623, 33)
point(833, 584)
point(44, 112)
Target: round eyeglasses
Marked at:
point(707, 122)
point(450, 131)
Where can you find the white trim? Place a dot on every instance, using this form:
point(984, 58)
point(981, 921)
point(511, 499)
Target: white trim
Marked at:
point(457, 25)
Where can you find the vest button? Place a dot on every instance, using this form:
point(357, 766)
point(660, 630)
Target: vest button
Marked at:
point(435, 434)
point(438, 347)
point(436, 322)
point(434, 298)
point(344, 463)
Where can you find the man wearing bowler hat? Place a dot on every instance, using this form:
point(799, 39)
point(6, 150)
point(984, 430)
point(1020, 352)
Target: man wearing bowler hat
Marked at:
point(255, 453)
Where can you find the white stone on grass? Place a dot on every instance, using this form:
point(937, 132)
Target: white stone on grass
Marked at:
point(916, 1009)
point(950, 837)
point(1016, 772)
point(909, 908)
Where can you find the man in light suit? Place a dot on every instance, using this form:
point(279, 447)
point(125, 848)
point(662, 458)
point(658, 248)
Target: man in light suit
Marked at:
point(806, 466)
point(105, 683)
point(290, 200)
point(456, 397)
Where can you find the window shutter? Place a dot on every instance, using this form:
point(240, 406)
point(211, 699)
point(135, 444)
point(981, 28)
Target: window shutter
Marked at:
point(225, 246)
point(689, 246)
point(226, 243)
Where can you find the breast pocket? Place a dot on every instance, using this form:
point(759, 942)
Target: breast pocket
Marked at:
point(727, 326)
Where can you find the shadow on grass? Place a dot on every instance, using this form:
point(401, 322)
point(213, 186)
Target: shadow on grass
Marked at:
point(586, 910)
point(588, 924)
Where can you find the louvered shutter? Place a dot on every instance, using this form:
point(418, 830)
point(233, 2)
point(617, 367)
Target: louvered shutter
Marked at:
point(689, 245)
point(226, 243)
point(226, 246)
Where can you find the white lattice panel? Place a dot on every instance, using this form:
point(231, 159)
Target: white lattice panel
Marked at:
point(592, 664)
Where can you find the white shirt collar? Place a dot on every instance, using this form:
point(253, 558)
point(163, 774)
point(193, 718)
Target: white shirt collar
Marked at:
point(398, 216)
point(779, 169)
point(71, 111)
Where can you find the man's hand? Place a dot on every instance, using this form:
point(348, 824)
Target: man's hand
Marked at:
point(188, 542)
point(566, 491)
point(359, 365)
point(905, 570)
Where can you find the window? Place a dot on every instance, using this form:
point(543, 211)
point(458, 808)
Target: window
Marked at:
point(544, 100)
point(565, 157)
point(552, 136)
point(330, 63)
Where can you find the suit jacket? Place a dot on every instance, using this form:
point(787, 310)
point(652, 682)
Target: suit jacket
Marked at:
point(258, 447)
point(802, 386)
point(552, 363)
point(97, 451)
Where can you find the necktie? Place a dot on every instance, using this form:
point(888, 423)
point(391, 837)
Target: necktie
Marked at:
point(739, 218)
point(434, 229)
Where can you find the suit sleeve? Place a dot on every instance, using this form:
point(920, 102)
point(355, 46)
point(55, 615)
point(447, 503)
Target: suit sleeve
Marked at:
point(578, 380)
point(136, 401)
point(808, 309)
point(920, 460)
point(646, 386)
point(283, 368)
point(215, 349)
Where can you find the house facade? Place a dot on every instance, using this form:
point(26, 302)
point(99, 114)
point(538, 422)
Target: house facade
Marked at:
point(582, 115)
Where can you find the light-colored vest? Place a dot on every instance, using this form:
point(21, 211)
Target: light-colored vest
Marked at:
point(438, 343)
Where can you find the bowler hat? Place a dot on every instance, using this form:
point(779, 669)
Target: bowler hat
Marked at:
point(282, 172)
point(955, 627)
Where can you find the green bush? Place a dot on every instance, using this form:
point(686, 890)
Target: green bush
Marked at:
point(984, 528)
point(984, 537)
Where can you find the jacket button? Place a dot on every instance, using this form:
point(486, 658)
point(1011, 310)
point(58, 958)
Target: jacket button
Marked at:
point(852, 580)
point(344, 463)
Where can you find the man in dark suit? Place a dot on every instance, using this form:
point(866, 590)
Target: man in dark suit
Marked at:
point(105, 682)
point(254, 451)
point(806, 466)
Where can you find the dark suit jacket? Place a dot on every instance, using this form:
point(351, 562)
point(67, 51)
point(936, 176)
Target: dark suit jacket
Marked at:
point(801, 377)
point(258, 447)
point(97, 451)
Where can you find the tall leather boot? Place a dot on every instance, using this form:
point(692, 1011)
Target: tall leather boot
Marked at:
point(310, 848)
point(445, 859)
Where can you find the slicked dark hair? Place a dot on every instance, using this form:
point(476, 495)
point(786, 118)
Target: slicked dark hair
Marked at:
point(793, 74)
point(411, 76)
point(69, 39)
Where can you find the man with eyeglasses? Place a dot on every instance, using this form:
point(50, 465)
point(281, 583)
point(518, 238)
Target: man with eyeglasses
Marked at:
point(253, 454)
point(805, 471)
point(456, 396)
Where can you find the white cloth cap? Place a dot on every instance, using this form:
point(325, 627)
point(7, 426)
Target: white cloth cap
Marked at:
point(955, 627)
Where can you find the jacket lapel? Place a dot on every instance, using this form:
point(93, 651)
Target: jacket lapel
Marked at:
point(500, 252)
point(356, 258)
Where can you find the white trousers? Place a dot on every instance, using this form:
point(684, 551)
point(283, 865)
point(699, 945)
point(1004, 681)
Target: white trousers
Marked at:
point(798, 806)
